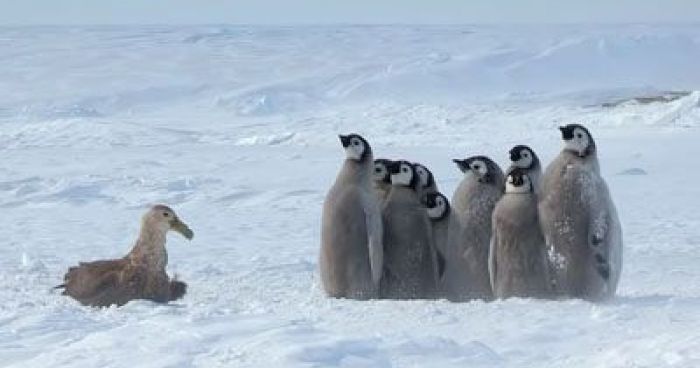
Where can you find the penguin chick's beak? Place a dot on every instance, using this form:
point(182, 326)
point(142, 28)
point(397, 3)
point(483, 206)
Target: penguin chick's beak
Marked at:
point(463, 165)
point(344, 140)
point(181, 228)
point(566, 133)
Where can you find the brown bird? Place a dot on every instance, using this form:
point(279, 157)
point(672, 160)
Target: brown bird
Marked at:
point(139, 275)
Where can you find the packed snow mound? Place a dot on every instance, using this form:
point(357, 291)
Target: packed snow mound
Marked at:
point(683, 110)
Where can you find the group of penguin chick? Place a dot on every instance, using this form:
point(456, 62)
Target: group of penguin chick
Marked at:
point(387, 232)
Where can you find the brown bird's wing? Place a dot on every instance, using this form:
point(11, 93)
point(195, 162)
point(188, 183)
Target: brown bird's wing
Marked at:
point(118, 281)
point(95, 283)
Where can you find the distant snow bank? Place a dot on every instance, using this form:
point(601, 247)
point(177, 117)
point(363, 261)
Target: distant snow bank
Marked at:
point(387, 123)
point(58, 73)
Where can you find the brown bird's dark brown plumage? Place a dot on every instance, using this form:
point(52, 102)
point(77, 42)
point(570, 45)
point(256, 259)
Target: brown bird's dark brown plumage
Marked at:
point(139, 275)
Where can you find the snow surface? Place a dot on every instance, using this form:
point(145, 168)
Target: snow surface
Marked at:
point(235, 127)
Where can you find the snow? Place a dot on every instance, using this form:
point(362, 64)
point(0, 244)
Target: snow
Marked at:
point(236, 128)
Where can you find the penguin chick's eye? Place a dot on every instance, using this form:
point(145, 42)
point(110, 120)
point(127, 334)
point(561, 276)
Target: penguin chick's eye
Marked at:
point(378, 170)
point(404, 170)
point(526, 154)
point(477, 167)
point(165, 214)
point(355, 143)
point(579, 135)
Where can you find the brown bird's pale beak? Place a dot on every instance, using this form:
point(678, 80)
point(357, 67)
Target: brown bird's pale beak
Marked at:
point(182, 228)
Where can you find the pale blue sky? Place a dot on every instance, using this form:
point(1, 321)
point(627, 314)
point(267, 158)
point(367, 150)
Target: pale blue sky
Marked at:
point(355, 11)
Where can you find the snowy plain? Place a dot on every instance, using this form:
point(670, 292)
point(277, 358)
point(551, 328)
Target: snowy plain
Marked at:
point(236, 128)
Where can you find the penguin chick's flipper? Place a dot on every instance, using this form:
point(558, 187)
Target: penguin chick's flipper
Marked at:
point(492, 259)
point(441, 264)
point(599, 222)
point(602, 266)
point(599, 233)
point(376, 245)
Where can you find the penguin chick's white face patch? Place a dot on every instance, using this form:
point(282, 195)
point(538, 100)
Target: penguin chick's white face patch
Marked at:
point(404, 176)
point(423, 175)
point(525, 160)
point(479, 167)
point(380, 171)
point(438, 210)
point(355, 149)
point(518, 184)
point(579, 141)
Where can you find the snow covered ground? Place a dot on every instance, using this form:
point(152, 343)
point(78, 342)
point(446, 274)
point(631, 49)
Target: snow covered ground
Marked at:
point(235, 127)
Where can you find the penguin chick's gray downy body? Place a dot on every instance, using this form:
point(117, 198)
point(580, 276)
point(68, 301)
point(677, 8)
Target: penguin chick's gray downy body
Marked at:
point(441, 218)
point(579, 221)
point(518, 258)
point(466, 271)
point(351, 254)
point(426, 181)
point(139, 275)
point(381, 178)
point(524, 158)
point(410, 258)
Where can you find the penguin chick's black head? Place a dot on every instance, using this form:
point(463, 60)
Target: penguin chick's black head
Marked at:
point(403, 173)
point(577, 139)
point(518, 182)
point(481, 166)
point(515, 153)
point(523, 156)
point(356, 147)
point(381, 170)
point(425, 175)
point(516, 178)
point(438, 206)
point(567, 132)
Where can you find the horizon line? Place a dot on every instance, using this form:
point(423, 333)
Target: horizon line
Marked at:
point(361, 24)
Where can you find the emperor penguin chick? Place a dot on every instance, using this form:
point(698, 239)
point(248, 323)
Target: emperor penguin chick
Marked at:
point(579, 221)
point(381, 178)
point(524, 158)
point(440, 215)
point(352, 252)
point(426, 181)
point(410, 270)
point(517, 258)
point(466, 270)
